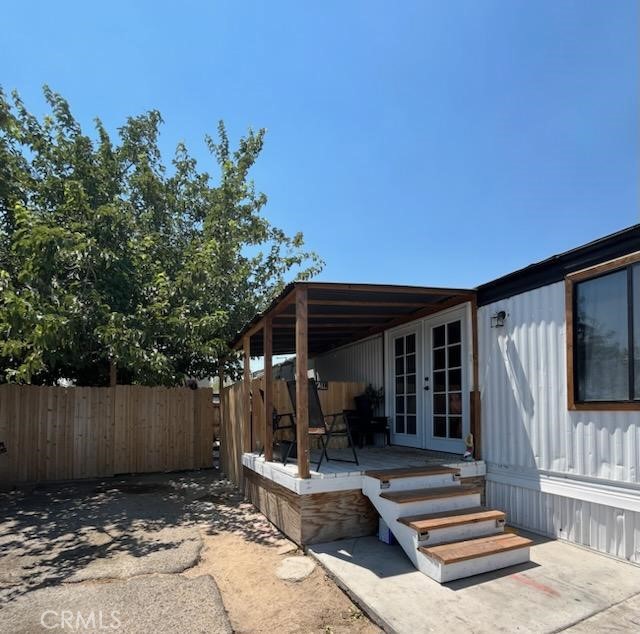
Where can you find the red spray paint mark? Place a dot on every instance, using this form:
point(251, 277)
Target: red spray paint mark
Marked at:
point(534, 584)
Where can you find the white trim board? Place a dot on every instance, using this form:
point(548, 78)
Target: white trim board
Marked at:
point(327, 482)
point(621, 495)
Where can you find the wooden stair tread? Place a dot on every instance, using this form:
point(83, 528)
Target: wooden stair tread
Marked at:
point(431, 493)
point(473, 548)
point(410, 472)
point(446, 519)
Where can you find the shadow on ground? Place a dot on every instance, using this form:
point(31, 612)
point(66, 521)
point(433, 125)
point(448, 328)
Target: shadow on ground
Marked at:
point(116, 527)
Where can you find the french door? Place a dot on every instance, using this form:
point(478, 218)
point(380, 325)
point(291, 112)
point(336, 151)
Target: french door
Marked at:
point(427, 383)
point(406, 403)
point(446, 383)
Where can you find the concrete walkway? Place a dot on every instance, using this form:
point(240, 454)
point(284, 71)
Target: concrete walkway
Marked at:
point(563, 587)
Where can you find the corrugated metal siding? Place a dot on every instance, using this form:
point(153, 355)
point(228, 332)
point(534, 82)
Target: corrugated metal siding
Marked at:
point(361, 361)
point(526, 423)
point(528, 429)
point(606, 529)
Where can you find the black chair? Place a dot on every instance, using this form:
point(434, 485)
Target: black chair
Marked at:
point(323, 426)
point(276, 426)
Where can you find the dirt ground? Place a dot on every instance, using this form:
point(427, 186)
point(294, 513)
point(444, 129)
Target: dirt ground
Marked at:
point(62, 542)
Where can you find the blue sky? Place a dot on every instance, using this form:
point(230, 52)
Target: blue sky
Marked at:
point(434, 143)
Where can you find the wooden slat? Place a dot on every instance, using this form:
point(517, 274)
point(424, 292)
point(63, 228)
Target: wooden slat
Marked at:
point(410, 472)
point(446, 519)
point(473, 548)
point(432, 493)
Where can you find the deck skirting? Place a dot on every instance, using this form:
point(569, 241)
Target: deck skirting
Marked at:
point(314, 517)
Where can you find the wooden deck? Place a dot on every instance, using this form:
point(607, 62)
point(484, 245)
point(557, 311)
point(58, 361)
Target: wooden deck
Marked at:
point(344, 476)
point(330, 504)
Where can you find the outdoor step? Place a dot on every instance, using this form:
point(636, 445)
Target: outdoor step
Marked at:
point(448, 519)
point(434, 493)
point(411, 472)
point(474, 548)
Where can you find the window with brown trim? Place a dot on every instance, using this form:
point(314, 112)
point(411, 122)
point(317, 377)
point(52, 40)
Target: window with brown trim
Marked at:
point(603, 335)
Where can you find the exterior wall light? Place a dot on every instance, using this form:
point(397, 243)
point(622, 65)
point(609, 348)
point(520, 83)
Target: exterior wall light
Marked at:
point(497, 320)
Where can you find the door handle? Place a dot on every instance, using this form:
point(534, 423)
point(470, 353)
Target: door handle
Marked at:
point(426, 387)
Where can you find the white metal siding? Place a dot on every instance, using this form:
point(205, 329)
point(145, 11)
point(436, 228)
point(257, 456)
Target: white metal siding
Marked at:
point(360, 361)
point(528, 431)
point(607, 529)
point(525, 419)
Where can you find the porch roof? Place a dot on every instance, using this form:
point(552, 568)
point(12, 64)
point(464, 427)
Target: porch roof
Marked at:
point(340, 313)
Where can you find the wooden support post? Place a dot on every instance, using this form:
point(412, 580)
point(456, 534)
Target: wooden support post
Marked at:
point(476, 428)
point(268, 390)
point(302, 389)
point(246, 397)
point(113, 373)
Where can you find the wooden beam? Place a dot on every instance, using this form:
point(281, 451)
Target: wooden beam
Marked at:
point(246, 397)
point(432, 309)
point(343, 327)
point(302, 390)
point(341, 316)
point(362, 302)
point(389, 288)
point(268, 390)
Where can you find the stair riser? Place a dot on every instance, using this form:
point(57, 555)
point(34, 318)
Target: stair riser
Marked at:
point(450, 572)
point(373, 486)
point(459, 533)
point(393, 510)
point(419, 482)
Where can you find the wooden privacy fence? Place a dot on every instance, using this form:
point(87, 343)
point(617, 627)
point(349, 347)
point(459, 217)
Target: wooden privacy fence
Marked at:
point(337, 397)
point(56, 433)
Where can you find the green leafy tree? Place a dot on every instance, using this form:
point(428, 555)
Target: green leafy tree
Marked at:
point(109, 257)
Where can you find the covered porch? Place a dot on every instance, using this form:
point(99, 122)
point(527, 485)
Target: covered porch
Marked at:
point(315, 322)
point(311, 320)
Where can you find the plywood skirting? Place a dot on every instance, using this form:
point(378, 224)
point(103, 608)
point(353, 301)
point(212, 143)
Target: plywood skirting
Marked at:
point(312, 518)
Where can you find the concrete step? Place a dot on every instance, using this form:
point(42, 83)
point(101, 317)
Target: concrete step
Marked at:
point(448, 526)
point(447, 562)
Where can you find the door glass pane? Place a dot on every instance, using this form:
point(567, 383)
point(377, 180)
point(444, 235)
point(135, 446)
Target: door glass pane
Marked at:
point(636, 330)
point(411, 363)
point(400, 424)
point(440, 426)
point(411, 404)
point(453, 332)
point(439, 403)
point(411, 343)
point(439, 359)
point(439, 381)
point(455, 403)
point(455, 427)
point(399, 385)
point(438, 337)
point(400, 365)
point(455, 356)
point(455, 379)
point(399, 404)
point(399, 346)
point(411, 425)
point(411, 384)
point(602, 338)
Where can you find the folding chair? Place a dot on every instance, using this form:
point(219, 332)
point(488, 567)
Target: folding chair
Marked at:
point(276, 426)
point(323, 425)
